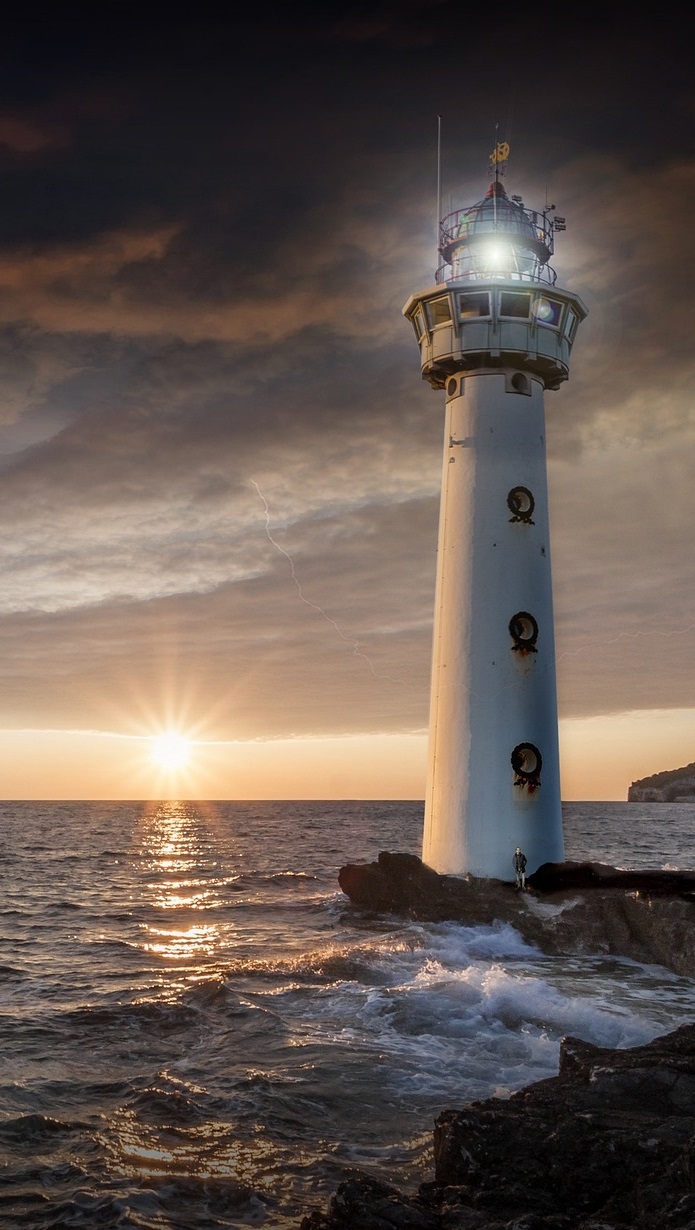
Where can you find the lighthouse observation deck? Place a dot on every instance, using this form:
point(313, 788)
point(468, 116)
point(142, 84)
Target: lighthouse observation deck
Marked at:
point(495, 303)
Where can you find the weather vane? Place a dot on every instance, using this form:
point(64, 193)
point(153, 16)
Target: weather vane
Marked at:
point(498, 158)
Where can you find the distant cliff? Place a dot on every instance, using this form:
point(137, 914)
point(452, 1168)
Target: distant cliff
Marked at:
point(673, 786)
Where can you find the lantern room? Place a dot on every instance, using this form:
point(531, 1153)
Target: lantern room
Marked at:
point(495, 303)
point(497, 237)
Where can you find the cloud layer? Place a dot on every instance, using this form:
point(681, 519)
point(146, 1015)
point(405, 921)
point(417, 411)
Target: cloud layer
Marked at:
point(219, 469)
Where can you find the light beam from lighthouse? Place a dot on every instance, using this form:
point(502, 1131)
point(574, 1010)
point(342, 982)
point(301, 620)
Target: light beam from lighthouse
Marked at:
point(495, 331)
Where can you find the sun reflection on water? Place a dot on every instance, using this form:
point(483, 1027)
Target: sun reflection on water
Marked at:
point(176, 1130)
point(182, 880)
point(183, 945)
point(207, 1150)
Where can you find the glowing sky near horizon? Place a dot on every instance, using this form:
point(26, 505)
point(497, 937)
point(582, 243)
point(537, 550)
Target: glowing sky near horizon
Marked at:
point(219, 469)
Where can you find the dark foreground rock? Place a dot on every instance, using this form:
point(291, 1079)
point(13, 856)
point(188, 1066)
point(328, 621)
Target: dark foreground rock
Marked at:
point(581, 908)
point(607, 1144)
point(558, 877)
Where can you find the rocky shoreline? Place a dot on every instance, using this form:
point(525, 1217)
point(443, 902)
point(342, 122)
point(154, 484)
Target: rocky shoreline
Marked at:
point(578, 908)
point(608, 1143)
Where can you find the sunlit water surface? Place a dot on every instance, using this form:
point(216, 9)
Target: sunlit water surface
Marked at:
point(198, 1030)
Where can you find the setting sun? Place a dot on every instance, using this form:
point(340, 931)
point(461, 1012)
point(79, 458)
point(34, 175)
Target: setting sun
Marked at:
point(171, 751)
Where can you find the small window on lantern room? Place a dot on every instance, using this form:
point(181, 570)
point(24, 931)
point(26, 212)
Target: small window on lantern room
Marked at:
point(514, 304)
point(419, 323)
point(439, 311)
point(474, 304)
point(571, 324)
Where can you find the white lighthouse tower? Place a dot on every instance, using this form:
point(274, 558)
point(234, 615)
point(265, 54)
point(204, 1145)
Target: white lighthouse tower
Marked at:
point(495, 332)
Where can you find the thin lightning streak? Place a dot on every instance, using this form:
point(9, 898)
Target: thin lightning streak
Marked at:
point(314, 606)
point(622, 636)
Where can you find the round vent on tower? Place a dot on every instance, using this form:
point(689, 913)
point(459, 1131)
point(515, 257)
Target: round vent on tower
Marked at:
point(523, 630)
point(521, 503)
point(527, 763)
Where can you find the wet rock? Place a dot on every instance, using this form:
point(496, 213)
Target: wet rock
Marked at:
point(558, 877)
point(583, 908)
point(404, 882)
point(611, 1137)
point(607, 1144)
point(372, 1205)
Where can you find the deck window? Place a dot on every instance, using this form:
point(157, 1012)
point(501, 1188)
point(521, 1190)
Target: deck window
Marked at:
point(473, 304)
point(514, 304)
point(548, 311)
point(439, 311)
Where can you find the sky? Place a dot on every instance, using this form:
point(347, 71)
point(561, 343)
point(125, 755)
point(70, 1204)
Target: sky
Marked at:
point(219, 467)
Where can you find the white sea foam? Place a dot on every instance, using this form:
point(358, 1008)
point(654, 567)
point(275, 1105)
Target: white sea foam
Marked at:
point(471, 1012)
point(456, 944)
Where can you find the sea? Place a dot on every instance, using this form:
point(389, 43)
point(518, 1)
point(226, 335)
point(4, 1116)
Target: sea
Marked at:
point(198, 1030)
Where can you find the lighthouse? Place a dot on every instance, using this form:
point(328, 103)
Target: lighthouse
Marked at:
point(494, 331)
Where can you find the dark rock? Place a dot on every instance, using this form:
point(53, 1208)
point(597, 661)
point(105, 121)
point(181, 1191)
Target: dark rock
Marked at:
point(402, 883)
point(558, 877)
point(591, 908)
point(397, 881)
point(607, 1144)
point(612, 1135)
point(366, 1202)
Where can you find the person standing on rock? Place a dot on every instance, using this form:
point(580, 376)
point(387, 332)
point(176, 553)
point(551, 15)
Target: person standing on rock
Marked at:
point(520, 868)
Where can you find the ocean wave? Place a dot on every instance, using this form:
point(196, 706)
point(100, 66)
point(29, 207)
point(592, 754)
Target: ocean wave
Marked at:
point(34, 1127)
point(337, 961)
point(457, 944)
point(171, 1106)
point(163, 1015)
point(13, 973)
point(255, 878)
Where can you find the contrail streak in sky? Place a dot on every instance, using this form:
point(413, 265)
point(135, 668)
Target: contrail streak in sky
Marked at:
point(314, 606)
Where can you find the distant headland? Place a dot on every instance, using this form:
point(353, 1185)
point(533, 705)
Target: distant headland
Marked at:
point(672, 786)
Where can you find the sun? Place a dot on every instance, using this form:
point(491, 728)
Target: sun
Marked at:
point(170, 751)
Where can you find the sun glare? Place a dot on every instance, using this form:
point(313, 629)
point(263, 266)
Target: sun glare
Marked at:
point(171, 751)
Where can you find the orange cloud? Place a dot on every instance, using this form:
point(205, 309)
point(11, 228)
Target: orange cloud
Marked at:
point(24, 136)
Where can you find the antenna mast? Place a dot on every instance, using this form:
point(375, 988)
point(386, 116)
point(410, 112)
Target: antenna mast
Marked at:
point(438, 220)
